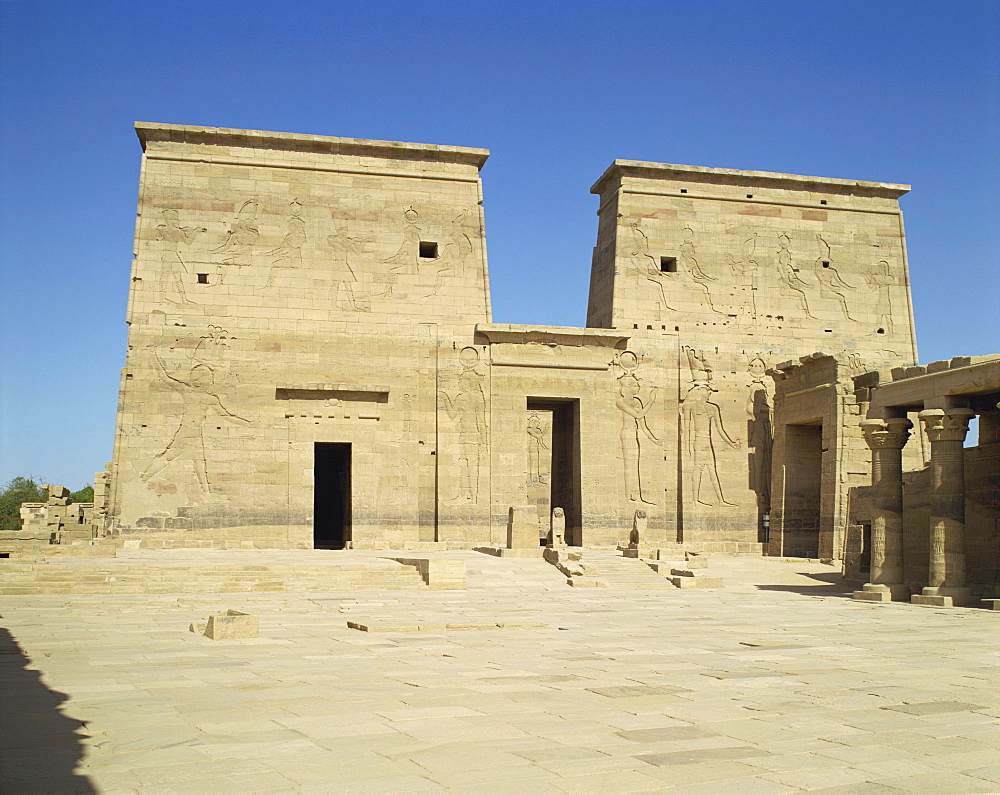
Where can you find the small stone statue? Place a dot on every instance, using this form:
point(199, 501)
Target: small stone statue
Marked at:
point(557, 528)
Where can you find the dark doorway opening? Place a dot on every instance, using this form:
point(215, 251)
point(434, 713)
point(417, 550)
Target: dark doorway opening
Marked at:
point(565, 489)
point(803, 488)
point(332, 495)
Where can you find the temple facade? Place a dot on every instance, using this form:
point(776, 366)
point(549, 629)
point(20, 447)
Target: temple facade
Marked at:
point(312, 360)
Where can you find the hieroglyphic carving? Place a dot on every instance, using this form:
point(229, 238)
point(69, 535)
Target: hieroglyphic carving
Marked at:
point(536, 444)
point(789, 274)
point(701, 422)
point(173, 270)
point(634, 402)
point(466, 407)
point(198, 391)
point(243, 233)
point(289, 253)
point(828, 278)
point(880, 282)
point(760, 437)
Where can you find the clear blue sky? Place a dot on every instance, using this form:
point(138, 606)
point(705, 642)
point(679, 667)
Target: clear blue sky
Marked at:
point(904, 91)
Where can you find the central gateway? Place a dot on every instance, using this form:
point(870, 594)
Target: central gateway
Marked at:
point(312, 360)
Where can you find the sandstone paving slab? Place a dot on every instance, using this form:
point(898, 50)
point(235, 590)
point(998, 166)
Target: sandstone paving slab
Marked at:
point(938, 782)
point(624, 647)
point(815, 779)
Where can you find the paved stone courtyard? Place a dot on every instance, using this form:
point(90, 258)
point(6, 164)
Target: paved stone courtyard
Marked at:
point(778, 683)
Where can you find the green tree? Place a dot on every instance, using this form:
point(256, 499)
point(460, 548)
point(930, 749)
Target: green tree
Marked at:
point(86, 494)
point(18, 490)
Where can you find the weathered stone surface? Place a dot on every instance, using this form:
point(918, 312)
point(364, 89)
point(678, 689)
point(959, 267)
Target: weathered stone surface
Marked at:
point(312, 361)
point(231, 625)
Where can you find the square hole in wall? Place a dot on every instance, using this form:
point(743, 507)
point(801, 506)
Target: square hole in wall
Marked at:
point(428, 250)
point(822, 201)
point(202, 278)
point(668, 264)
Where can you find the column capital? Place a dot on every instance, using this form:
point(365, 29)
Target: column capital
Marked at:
point(946, 425)
point(890, 434)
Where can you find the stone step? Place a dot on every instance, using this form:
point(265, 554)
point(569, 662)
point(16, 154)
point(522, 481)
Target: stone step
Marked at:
point(152, 576)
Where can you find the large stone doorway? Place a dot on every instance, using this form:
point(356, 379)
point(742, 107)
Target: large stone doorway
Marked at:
point(803, 487)
point(554, 463)
point(331, 495)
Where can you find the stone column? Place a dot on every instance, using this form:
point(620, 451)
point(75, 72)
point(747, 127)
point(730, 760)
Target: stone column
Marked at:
point(946, 428)
point(886, 440)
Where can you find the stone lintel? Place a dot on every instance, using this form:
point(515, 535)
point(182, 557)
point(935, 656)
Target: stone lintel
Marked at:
point(621, 169)
point(151, 132)
point(558, 335)
point(963, 378)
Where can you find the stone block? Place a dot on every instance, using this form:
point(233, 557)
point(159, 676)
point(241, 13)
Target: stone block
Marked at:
point(438, 573)
point(992, 604)
point(931, 601)
point(231, 625)
point(696, 582)
point(522, 527)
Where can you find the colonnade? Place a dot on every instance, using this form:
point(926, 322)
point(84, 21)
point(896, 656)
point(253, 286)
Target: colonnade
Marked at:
point(946, 583)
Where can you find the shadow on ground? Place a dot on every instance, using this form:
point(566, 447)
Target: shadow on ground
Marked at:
point(39, 745)
point(825, 584)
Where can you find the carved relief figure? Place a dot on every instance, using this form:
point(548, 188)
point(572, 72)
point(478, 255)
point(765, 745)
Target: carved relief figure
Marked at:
point(689, 265)
point(760, 437)
point(880, 282)
point(635, 432)
point(701, 421)
point(644, 262)
point(407, 258)
point(789, 275)
point(289, 253)
point(746, 271)
point(452, 254)
point(200, 401)
point(828, 278)
point(466, 406)
point(173, 271)
point(346, 292)
point(243, 233)
point(536, 443)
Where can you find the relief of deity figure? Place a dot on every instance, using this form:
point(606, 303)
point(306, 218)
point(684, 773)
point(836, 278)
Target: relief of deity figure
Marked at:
point(635, 433)
point(466, 407)
point(289, 253)
point(789, 275)
point(536, 434)
point(243, 233)
point(828, 278)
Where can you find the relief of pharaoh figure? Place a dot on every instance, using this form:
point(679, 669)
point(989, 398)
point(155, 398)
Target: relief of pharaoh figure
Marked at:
point(172, 268)
point(702, 424)
point(880, 282)
point(201, 401)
